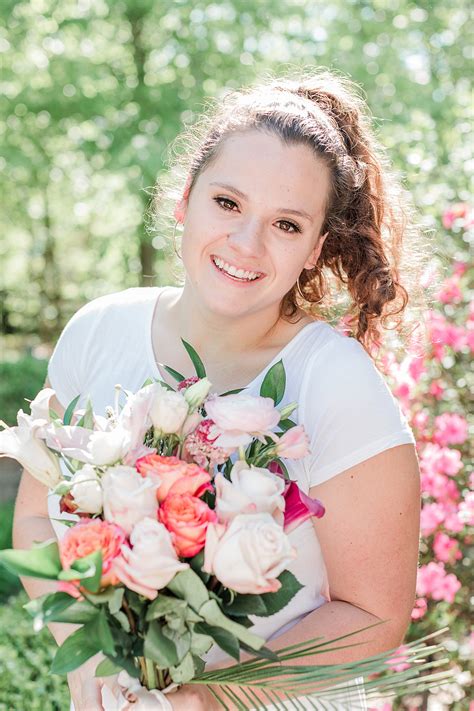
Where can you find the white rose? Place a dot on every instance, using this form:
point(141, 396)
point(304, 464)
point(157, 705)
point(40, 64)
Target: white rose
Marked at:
point(152, 562)
point(168, 410)
point(250, 490)
point(249, 556)
point(128, 497)
point(86, 490)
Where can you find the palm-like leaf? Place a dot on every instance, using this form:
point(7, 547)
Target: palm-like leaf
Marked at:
point(263, 682)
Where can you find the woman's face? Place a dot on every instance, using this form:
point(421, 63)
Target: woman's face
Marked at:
point(252, 223)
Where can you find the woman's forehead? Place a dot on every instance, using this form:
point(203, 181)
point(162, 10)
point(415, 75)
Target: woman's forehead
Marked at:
point(260, 162)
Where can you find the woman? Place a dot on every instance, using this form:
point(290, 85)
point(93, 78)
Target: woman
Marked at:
point(285, 185)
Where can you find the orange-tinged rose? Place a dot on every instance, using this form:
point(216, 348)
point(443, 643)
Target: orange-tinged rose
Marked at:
point(186, 517)
point(89, 536)
point(175, 475)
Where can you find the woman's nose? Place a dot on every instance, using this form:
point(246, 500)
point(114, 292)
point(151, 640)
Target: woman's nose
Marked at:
point(247, 238)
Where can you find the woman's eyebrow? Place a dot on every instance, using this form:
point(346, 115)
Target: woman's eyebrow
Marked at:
point(243, 196)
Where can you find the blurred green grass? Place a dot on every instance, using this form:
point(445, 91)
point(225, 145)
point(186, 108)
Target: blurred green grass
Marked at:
point(20, 379)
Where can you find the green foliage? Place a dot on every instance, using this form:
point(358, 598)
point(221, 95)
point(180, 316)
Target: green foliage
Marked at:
point(25, 658)
point(19, 381)
point(9, 582)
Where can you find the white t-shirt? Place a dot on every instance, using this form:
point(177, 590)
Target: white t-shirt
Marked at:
point(343, 403)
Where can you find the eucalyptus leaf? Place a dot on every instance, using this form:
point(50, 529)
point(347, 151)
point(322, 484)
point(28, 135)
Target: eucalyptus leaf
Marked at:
point(166, 605)
point(184, 671)
point(200, 643)
point(274, 383)
point(122, 619)
point(38, 562)
point(188, 586)
point(196, 361)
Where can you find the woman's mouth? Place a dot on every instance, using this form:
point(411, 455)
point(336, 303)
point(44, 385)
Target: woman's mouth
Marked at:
point(235, 273)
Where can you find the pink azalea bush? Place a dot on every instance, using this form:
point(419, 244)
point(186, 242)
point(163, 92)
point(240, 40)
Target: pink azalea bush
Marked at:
point(431, 383)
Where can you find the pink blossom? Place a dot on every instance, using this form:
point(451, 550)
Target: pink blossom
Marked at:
point(240, 417)
point(440, 460)
point(439, 486)
point(416, 367)
point(434, 582)
point(456, 213)
point(420, 420)
point(470, 339)
point(399, 662)
point(452, 522)
point(419, 608)
point(450, 292)
point(459, 267)
point(446, 549)
point(436, 389)
point(450, 428)
point(200, 446)
point(466, 509)
point(432, 515)
point(294, 444)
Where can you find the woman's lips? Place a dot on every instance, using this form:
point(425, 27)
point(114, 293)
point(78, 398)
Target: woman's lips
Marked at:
point(233, 279)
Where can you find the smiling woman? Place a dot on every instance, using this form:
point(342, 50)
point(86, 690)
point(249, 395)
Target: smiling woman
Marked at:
point(285, 192)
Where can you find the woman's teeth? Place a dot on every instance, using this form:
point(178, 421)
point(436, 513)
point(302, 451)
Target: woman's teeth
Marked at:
point(237, 273)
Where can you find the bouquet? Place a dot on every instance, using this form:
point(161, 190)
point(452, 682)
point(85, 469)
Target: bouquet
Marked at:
point(180, 506)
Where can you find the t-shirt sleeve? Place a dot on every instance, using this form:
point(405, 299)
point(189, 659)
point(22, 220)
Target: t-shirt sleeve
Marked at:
point(69, 365)
point(348, 410)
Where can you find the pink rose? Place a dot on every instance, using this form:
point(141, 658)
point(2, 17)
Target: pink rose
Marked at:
point(399, 662)
point(294, 444)
point(128, 497)
point(249, 555)
point(450, 428)
point(175, 476)
point(238, 418)
point(89, 536)
point(250, 490)
point(200, 447)
point(151, 561)
point(186, 517)
point(432, 581)
point(419, 608)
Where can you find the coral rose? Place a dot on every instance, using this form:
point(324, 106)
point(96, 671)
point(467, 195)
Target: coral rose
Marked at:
point(89, 536)
point(175, 476)
point(187, 519)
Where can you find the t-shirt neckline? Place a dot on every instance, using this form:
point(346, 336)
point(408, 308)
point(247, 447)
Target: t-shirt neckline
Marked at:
point(283, 352)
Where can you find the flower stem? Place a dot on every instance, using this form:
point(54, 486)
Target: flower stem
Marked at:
point(150, 673)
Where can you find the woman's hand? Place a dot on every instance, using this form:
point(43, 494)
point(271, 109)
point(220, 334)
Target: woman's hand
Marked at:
point(86, 688)
point(193, 697)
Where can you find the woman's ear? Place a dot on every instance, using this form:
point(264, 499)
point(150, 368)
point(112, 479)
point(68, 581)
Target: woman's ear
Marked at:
point(314, 256)
point(182, 204)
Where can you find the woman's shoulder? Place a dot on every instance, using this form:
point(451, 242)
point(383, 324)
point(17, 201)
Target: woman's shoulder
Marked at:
point(124, 300)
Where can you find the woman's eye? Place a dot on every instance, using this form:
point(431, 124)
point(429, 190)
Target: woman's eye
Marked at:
point(289, 227)
point(225, 203)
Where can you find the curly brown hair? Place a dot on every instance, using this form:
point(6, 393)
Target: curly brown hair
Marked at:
point(369, 216)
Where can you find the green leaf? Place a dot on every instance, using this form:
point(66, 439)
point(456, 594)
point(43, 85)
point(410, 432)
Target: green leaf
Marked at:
point(196, 361)
point(70, 411)
point(188, 586)
point(274, 602)
point(87, 420)
point(79, 613)
point(286, 424)
point(274, 383)
point(232, 392)
point(196, 564)
point(76, 649)
point(262, 653)
point(148, 381)
point(122, 619)
point(45, 609)
point(107, 667)
point(88, 570)
point(244, 605)
point(39, 562)
point(104, 635)
point(184, 672)
point(112, 596)
point(213, 615)
point(174, 373)
point(180, 638)
point(159, 648)
point(226, 640)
